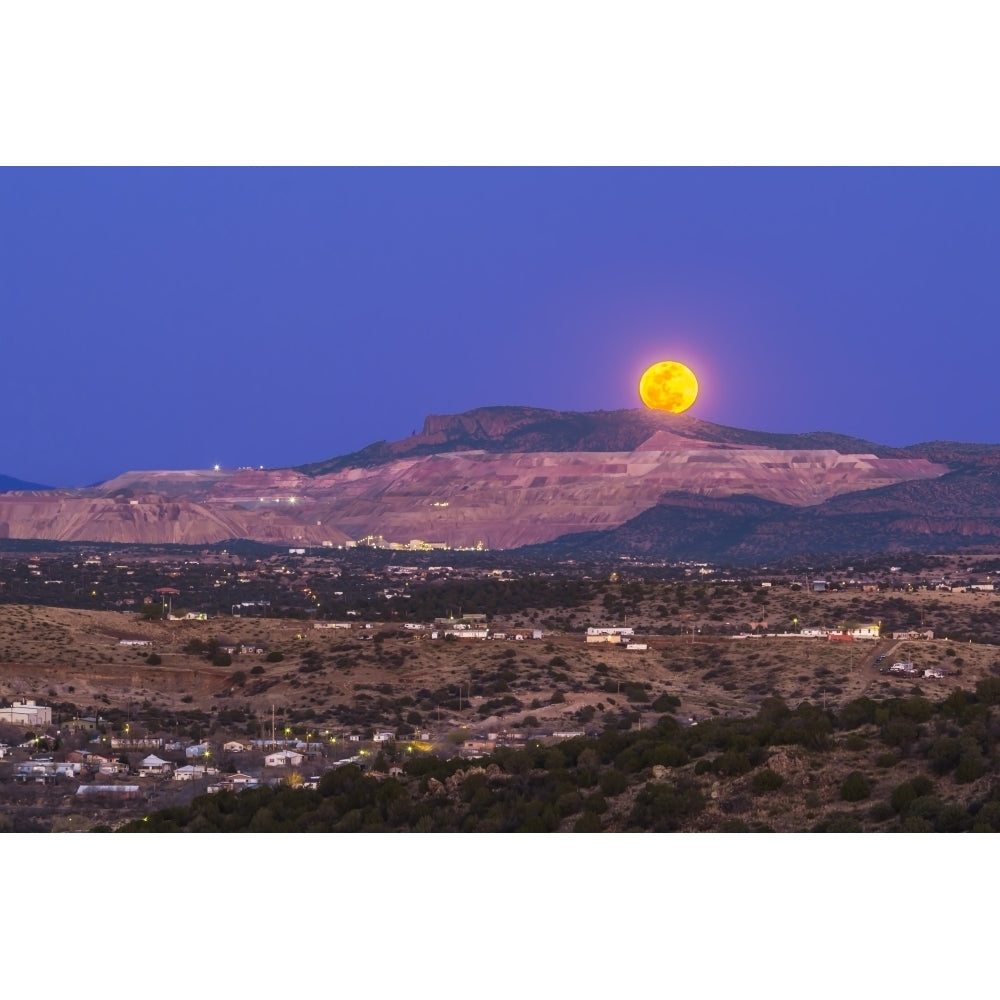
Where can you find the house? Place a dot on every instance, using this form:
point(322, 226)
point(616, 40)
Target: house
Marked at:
point(284, 758)
point(44, 770)
point(198, 750)
point(383, 736)
point(234, 746)
point(234, 783)
point(239, 780)
point(136, 743)
point(479, 744)
point(194, 772)
point(153, 765)
point(866, 631)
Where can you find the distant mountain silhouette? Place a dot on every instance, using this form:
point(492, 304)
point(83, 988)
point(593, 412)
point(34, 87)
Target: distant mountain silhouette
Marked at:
point(8, 483)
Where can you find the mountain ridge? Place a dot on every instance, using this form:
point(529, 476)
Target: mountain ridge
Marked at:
point(507, 477)
point(525, 428)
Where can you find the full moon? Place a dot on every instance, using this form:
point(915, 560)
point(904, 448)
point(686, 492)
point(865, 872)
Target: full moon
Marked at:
point(668, 385)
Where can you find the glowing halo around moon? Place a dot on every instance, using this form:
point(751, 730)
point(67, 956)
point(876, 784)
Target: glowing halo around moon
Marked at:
point(668, 385)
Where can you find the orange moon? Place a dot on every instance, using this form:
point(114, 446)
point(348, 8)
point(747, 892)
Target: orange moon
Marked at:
point(668, 385)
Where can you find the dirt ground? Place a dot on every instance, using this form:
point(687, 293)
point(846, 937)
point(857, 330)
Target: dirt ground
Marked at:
point(329, 676)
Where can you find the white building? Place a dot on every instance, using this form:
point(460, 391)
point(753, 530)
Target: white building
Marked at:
point(866, 631)
point(26, 713)
point(152, 764)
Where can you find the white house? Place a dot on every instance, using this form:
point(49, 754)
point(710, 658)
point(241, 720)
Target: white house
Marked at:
point(384, 736)
point(198, 750)
point(152, 764)
point(193, 772)
point(284, 758)
point(234, 746)
point(866, 631)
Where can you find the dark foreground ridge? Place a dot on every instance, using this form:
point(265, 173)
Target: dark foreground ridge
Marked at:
point(931, 774)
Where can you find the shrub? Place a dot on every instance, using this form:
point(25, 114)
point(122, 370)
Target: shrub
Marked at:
point(222, 659)
point(612, 783)
point(945, 754)
point(589, 822)
point(839, 823)
point(855, 787)
point(766, 781)
point(731, 764)
point(903, 796)
point(275, 656)
point(666, 703)
point(880, 812)
point(154, 660)
point(968, 770)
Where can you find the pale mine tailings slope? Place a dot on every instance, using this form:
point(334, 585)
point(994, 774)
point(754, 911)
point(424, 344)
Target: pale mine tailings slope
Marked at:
point(460, 497)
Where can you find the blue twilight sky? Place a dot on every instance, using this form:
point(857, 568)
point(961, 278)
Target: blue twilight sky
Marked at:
point(175, 318)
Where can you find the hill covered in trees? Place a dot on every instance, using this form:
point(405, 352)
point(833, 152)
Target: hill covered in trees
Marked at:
point(902, 764)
